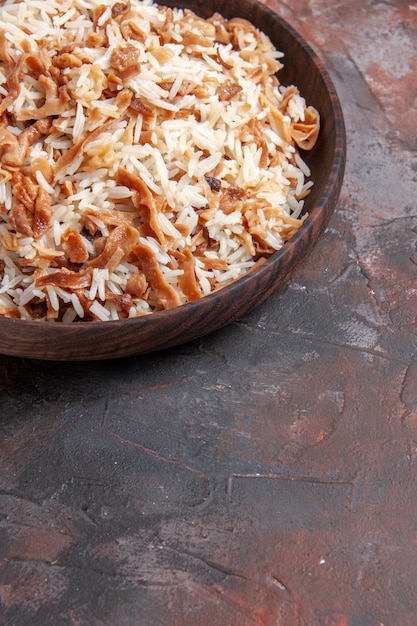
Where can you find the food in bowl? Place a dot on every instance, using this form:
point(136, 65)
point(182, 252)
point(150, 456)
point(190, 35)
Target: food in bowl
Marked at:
point(148, 157)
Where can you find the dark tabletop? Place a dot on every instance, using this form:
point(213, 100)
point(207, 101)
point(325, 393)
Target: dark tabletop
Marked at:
point(264, 475)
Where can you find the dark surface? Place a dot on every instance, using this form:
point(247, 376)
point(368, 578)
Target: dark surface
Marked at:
point(103, 340)
point(266, 474)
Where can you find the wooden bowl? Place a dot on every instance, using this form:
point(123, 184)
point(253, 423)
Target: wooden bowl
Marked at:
point(83, 341)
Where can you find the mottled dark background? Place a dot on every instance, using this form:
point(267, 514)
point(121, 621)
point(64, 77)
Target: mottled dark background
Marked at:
point(264, 475)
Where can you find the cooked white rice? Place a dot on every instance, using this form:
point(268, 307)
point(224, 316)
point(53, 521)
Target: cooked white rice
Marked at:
point(148, 157)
